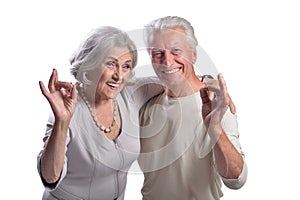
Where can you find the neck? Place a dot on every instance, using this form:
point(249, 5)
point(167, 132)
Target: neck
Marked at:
point(94, 99)
point(103, 110)
point(185, 88)
point(100, 102)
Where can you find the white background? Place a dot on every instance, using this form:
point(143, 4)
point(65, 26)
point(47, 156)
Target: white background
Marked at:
point(255, 44)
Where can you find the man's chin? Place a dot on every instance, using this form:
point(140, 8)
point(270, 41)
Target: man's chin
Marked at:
point(172, 78)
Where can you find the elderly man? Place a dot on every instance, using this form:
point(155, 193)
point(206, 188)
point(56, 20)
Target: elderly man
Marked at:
point(189, 137)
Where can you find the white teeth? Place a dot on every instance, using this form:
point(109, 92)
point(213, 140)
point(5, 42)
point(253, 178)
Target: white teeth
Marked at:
point(113, 84)
point(171, 71)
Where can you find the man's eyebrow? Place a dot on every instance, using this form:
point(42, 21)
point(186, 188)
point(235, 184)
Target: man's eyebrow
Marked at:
point(156, 49)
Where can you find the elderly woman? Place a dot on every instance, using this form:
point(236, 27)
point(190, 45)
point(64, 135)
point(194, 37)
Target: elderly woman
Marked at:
point(92, 137)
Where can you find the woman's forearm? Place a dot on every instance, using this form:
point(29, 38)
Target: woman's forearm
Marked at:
point(52, 159)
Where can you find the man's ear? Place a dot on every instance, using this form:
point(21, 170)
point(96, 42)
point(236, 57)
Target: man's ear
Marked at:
point(194, 56)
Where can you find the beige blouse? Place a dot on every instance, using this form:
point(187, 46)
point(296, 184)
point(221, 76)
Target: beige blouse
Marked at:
point(96, 167)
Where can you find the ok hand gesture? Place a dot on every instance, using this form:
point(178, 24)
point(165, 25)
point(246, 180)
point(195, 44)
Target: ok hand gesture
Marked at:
point(215, 102)
point(62, 97)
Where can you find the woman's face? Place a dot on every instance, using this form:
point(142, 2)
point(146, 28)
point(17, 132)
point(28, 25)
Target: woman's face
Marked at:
point(114, 73)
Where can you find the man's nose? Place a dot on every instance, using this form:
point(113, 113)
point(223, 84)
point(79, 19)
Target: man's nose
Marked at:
point(168, 58)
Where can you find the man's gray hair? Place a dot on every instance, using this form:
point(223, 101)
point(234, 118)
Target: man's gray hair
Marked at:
point(171, 22)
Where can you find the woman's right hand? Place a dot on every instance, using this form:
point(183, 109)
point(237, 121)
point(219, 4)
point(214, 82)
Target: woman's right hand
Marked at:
point(62, 97)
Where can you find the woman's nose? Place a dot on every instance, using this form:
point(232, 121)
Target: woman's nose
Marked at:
point(116, 74)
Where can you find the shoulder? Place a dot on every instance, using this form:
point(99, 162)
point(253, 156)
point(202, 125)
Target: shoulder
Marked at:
point(137, 82)
point(230, 123)
point(140, 86)
point(229, 118)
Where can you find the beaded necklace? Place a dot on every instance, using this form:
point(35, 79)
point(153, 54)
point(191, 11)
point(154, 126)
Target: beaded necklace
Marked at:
point(100, 126)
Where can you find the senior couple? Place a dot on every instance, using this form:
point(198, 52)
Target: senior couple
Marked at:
point(181, 127)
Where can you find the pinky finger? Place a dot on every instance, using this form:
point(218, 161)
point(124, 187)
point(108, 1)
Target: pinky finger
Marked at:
point(231, 106)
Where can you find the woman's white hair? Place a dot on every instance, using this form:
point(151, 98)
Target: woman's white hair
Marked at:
point(93, 50)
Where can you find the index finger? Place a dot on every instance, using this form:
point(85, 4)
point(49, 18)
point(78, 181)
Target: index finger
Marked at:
point(212, 84)
point(204, 95)
point(62, 84)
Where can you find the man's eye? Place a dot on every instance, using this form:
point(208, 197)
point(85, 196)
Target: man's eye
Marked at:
point(157, 54)
point(176, 51)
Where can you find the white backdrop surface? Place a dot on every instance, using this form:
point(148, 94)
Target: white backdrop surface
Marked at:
point(255, 44)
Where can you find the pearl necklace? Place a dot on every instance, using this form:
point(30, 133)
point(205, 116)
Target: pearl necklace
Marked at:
point(100, 126)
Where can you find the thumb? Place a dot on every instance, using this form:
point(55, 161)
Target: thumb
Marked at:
point(204, 95)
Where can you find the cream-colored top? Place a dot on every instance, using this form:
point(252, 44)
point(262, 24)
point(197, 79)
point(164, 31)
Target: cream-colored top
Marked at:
point(95, 167)
point(176, 152)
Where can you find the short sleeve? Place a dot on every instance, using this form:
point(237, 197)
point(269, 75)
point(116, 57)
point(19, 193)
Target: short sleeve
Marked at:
point(230, 126)
point(240, 181)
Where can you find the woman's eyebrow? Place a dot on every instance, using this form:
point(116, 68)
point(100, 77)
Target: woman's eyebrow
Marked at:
point(115, 59)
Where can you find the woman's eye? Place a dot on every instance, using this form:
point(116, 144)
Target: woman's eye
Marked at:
point(111, 64)
point(126, 67)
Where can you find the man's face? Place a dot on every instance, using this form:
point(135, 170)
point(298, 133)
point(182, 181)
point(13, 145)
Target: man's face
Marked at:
point(172, 57)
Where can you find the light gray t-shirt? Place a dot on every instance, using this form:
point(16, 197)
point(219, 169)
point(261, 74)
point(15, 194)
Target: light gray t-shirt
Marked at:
point(176, 152)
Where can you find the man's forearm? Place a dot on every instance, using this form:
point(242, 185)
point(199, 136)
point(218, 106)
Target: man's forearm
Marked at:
point(229, 161)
